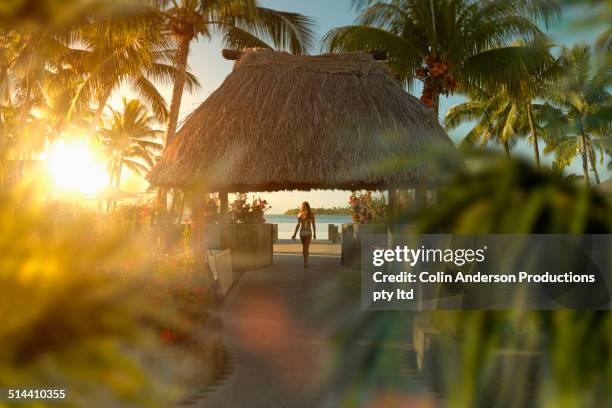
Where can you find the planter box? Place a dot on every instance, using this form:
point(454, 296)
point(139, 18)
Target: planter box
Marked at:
point(220, 262)
point(351, 241)
point(250, 244)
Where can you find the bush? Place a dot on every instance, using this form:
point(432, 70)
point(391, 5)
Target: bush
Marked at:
point(66, 323)
point(366, 208)
point(513, 198)
point(243, 212)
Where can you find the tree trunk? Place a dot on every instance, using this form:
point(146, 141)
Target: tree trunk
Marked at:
point(118, 181)
point(111, 182)
point(431, 95)
point(585, 163)
point(179, 84)
point(100, 109)
point(591, 153)
point(506, 148)
point(175, 104)
point(534, 135)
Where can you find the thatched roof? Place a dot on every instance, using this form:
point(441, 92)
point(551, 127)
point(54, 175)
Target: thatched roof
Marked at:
point(282, 122)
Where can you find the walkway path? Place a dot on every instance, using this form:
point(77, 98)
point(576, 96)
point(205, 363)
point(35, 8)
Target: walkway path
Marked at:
point(283, 327)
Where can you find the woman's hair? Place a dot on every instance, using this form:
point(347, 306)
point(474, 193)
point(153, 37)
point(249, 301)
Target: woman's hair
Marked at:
point(305, 211)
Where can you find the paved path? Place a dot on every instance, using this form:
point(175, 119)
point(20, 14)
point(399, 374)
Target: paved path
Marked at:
point(292, 336)
point(320, 247)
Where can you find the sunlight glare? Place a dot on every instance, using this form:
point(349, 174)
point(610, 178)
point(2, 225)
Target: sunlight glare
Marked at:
point(74, 168)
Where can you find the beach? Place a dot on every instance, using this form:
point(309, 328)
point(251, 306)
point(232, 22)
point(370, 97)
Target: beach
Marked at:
point(287, 223)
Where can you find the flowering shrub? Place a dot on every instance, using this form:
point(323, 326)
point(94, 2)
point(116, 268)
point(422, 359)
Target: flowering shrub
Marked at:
point(243, 212)
point(172, 288)
point(69, 318)
point(148, 223)
point(366, 208)
point(369, 209)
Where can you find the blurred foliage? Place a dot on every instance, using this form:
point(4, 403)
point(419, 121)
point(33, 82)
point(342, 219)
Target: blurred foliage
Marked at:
point(563, 358)
point(512, 198)
point(170, 285)
point(148, 224)
point(84, 308)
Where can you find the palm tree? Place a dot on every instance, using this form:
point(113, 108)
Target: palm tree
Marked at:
point(450, 45)
point(243, 23)
point(130, 140)
point(578, 115)
point(117, 50)
point(509, 111)
point(497, 118)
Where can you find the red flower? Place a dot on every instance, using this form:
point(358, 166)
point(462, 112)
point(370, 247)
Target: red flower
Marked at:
point(167, 336)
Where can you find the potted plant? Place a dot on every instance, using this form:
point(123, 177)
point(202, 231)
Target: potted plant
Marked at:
point(246, 234)
point(369, 213)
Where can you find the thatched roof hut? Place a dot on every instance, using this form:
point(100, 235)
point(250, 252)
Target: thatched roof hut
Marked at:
point(284, 122)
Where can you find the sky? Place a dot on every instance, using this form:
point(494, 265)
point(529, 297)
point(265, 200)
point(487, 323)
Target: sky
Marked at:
point(206, 62)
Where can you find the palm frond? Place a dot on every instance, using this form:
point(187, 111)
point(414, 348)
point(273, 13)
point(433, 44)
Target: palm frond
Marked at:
point(404, 57)
point(292, 32)
point(237, 38)
point(154, 100)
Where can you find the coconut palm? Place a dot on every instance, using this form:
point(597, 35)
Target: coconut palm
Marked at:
point(579, 113)
point(123, 50)
point(497, 118)
point(242, 23)
point(508, 111)
point(450, 45)
point(130, 140)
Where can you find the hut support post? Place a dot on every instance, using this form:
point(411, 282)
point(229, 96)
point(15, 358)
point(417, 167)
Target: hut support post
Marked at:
point(420, 195)
point(223, 206)
point(197, 233)
point(393, 206)
point(393, 216)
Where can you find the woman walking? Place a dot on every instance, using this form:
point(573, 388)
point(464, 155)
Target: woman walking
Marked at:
point(307, 228)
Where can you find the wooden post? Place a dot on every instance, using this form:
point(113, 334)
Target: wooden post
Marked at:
point(393, 213)
point(197, 229)
point(420, 196)
point(223, 206)
point(197, 239)
point(392, 207)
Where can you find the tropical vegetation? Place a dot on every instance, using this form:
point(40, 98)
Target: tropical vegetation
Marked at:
point(578, 112)
point(448, 45)
point(322, 211)
point(243, 23)
point(114, 299)
point(130, 140)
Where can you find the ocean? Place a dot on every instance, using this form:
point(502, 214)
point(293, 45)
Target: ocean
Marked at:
point(287, 223)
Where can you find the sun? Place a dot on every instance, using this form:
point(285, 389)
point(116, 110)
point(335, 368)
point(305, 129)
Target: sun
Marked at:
point(74, 168)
